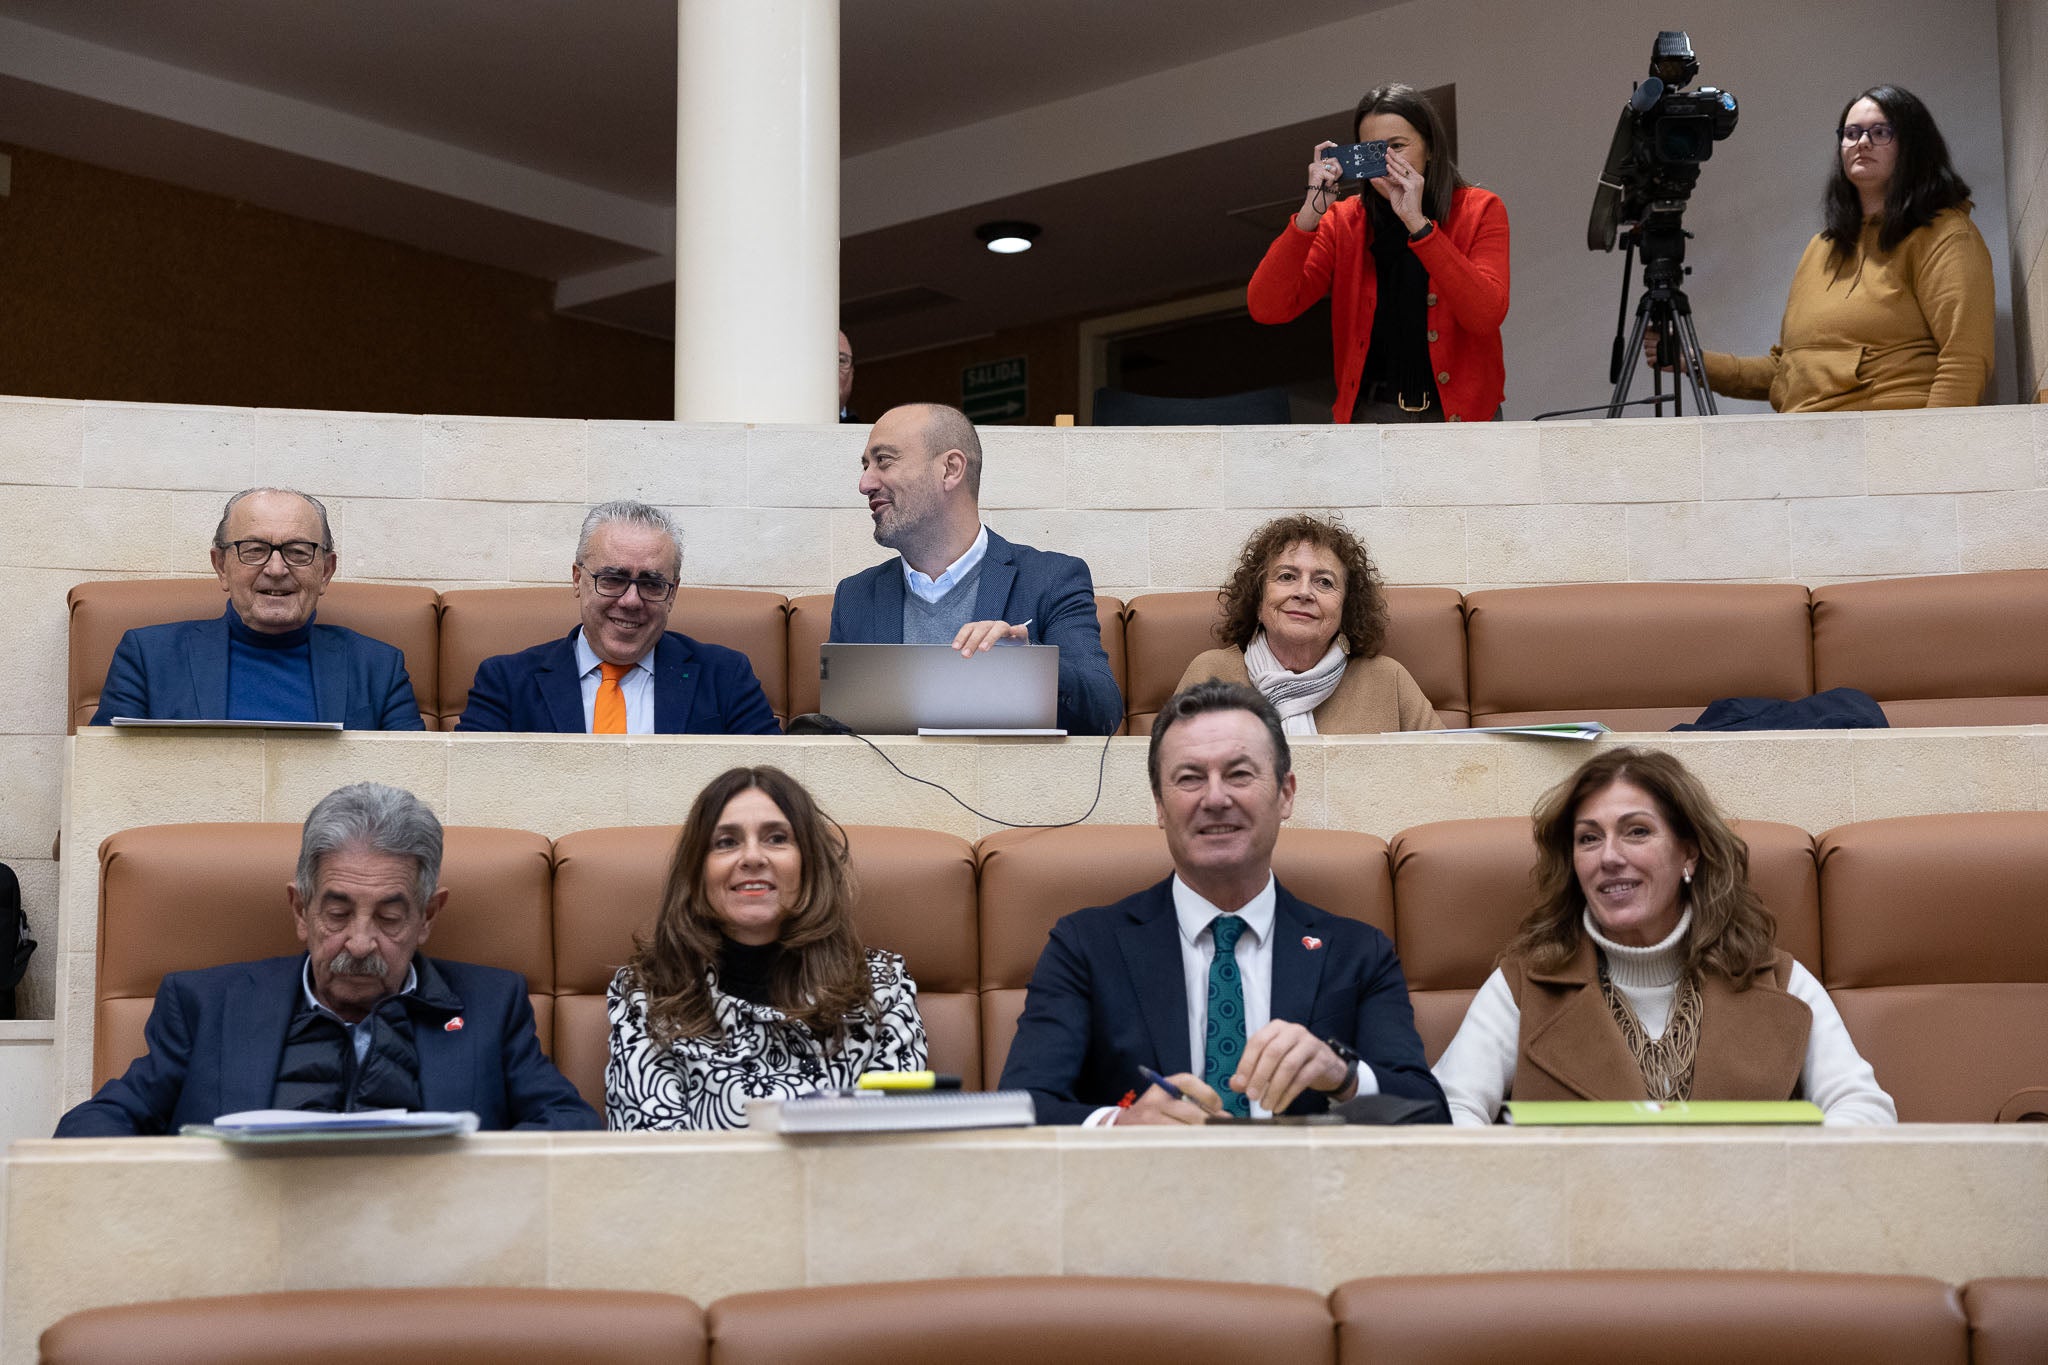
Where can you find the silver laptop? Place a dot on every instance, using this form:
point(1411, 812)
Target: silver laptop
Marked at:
point(930, 689)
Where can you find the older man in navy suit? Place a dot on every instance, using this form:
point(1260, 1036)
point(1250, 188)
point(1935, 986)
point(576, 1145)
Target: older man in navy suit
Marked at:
point(361, 1019)
point(955, 581)
point(622, 671)
point(264, 658)
point(1247, 999)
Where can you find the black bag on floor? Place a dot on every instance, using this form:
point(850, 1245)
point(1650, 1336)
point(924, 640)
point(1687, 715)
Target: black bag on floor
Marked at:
point(15, 944)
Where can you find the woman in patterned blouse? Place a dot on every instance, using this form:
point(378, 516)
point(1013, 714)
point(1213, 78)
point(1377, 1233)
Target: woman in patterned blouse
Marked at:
point(755, 984)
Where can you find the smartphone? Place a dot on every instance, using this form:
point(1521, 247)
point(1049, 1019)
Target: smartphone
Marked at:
point(1360, 160)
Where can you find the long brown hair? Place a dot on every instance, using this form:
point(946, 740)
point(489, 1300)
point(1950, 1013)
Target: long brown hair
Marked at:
point(1441, 179)
point(1732, 933)
point(1363, 620)
point(820, 978)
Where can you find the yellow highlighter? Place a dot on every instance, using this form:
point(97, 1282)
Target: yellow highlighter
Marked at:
point(907, 1080)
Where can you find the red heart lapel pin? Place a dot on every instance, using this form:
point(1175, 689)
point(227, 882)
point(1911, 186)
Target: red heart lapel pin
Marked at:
point(1311, 942)
point(453, 1025)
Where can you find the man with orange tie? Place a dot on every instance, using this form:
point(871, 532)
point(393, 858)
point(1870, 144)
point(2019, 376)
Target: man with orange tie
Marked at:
point(622, 671)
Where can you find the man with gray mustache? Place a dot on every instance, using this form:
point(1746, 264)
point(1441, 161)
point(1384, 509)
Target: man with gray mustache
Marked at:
point(361, 1020)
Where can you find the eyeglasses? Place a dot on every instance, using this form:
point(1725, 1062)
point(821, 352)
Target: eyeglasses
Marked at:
point(611, 583)
point(845, 361)
point(257, 553)
point(1880, 134)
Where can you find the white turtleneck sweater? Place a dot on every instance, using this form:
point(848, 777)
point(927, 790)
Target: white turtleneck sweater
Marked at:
point(1477, 1071)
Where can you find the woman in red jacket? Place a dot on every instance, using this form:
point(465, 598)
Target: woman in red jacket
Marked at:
point(1417, 273)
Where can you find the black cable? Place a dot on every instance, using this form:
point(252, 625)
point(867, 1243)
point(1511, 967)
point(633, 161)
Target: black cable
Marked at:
point(1101, 768)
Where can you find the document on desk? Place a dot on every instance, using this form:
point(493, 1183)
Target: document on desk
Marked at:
point(1590, 1113)
point(877, 1112)
point(298, 1125)
point(1564, 729)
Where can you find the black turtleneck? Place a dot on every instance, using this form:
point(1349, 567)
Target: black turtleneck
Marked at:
point(745, 969)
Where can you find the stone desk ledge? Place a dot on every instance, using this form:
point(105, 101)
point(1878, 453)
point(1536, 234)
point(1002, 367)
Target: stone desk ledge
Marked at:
point(92, 1222)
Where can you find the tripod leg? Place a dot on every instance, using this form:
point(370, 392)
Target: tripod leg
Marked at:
point(1695, 362)
point(1631, 356)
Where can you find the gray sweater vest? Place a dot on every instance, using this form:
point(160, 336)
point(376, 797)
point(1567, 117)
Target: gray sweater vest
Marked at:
point(936, 623)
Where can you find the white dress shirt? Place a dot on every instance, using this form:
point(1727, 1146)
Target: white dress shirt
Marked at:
point(932, 589)
point(637, 687)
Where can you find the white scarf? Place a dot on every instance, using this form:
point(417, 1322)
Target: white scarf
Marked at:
point(1295, 695)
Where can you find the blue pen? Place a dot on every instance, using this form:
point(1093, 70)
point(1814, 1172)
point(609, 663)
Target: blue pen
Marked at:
point(1154, 1078)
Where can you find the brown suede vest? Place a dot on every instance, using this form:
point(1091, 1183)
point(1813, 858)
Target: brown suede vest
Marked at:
point(1752, 1042)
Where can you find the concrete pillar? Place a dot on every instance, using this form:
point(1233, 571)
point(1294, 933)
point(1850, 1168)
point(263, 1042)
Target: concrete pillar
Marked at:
point(757, 211)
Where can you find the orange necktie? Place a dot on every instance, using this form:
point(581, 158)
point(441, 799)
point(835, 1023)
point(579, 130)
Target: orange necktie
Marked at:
point(608, 716)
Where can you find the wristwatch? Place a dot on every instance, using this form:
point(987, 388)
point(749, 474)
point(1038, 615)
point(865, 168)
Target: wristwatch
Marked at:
point(1346, 1054)
point(1421, 232)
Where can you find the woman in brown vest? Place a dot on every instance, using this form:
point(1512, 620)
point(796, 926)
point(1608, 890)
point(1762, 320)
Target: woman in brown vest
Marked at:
point(1648, 969)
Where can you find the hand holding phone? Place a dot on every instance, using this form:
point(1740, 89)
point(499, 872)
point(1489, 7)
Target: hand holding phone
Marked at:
point(1359, 160)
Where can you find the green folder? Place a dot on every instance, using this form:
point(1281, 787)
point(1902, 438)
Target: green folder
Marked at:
point(1592, 1113)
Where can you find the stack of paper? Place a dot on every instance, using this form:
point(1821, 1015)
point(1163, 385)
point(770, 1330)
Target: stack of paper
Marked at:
point(929, 1111)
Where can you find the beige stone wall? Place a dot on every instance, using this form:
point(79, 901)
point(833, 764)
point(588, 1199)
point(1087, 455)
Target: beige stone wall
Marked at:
point(706, 1215)
point(2023, 93)
point(97, 490)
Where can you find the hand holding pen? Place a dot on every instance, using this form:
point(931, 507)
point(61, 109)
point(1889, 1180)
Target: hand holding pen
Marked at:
point(1180, 1098)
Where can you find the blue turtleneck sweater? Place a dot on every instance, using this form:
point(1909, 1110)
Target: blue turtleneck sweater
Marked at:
point(270, 677)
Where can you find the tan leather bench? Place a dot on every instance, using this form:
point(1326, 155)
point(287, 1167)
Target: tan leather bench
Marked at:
point(1638, 656)
point(102, 612)
point(1934, 933)
point(916, 898)
point(1952, 649)
point(180, 897)
point(1164, 631)
point(482, 623)
point(1024, 1319)
point(1674, 1317)
point(810, 621)
point(509, 1326)
point(1461, 887)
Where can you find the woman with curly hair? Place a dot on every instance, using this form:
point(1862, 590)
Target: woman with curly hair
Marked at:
point(754, 984)
point(1304, 616)
point(1648, 969)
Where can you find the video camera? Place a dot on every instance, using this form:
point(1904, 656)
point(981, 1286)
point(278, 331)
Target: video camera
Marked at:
point(1665, 132)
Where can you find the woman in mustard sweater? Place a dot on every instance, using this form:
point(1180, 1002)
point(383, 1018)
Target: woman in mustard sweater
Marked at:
point(1892, 304)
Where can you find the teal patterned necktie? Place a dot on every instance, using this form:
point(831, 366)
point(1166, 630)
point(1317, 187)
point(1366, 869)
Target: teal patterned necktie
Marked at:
point(1223, 1033)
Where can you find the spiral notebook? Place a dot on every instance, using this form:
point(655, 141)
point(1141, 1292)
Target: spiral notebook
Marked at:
point(924, 1112)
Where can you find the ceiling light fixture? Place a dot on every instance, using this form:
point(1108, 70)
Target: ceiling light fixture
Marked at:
point(1007, 238)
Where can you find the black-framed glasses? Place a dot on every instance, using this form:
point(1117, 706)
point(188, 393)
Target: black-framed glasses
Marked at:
point(257, 553)
point(611, 583)
point(1880, 134)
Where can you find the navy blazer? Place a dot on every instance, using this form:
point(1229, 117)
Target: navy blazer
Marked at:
point(699, 689)
point(216, 1037)
point(1109, 994)
point(1018, 583)
point(179, 671)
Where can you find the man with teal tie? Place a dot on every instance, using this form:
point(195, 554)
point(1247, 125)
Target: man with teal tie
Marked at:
point(1249, 1000)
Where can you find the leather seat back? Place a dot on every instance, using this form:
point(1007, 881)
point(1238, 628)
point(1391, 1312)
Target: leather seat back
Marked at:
point(1675, 1317)
point(514, 1326)
point(1638, 656)
point(916, 898)
point(1024, 1319)
point(1952, 649)
point(181, 897)
point(1935, 936)
point(1030, 878)
point(403, 617)
point(481, 623)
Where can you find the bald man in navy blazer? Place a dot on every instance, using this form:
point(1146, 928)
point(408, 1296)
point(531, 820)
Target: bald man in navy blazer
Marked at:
point(628, 562)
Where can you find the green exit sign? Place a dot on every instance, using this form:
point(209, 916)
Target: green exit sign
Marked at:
point(994, 391)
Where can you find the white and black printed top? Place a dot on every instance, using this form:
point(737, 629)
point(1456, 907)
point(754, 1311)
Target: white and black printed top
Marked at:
point(706, 1082)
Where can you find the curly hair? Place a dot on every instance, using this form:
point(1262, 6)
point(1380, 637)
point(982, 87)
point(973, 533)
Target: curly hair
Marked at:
point(820, 979)
point(1363, 622)
point(1732, 935)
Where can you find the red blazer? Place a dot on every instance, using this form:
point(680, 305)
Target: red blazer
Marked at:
point(1467, 260)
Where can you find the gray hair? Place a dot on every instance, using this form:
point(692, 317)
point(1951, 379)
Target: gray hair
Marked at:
point(380, 818)
point(220, 530)
point(635, 514)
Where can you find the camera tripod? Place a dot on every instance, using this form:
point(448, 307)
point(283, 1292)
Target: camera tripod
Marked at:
point(1664, 306)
